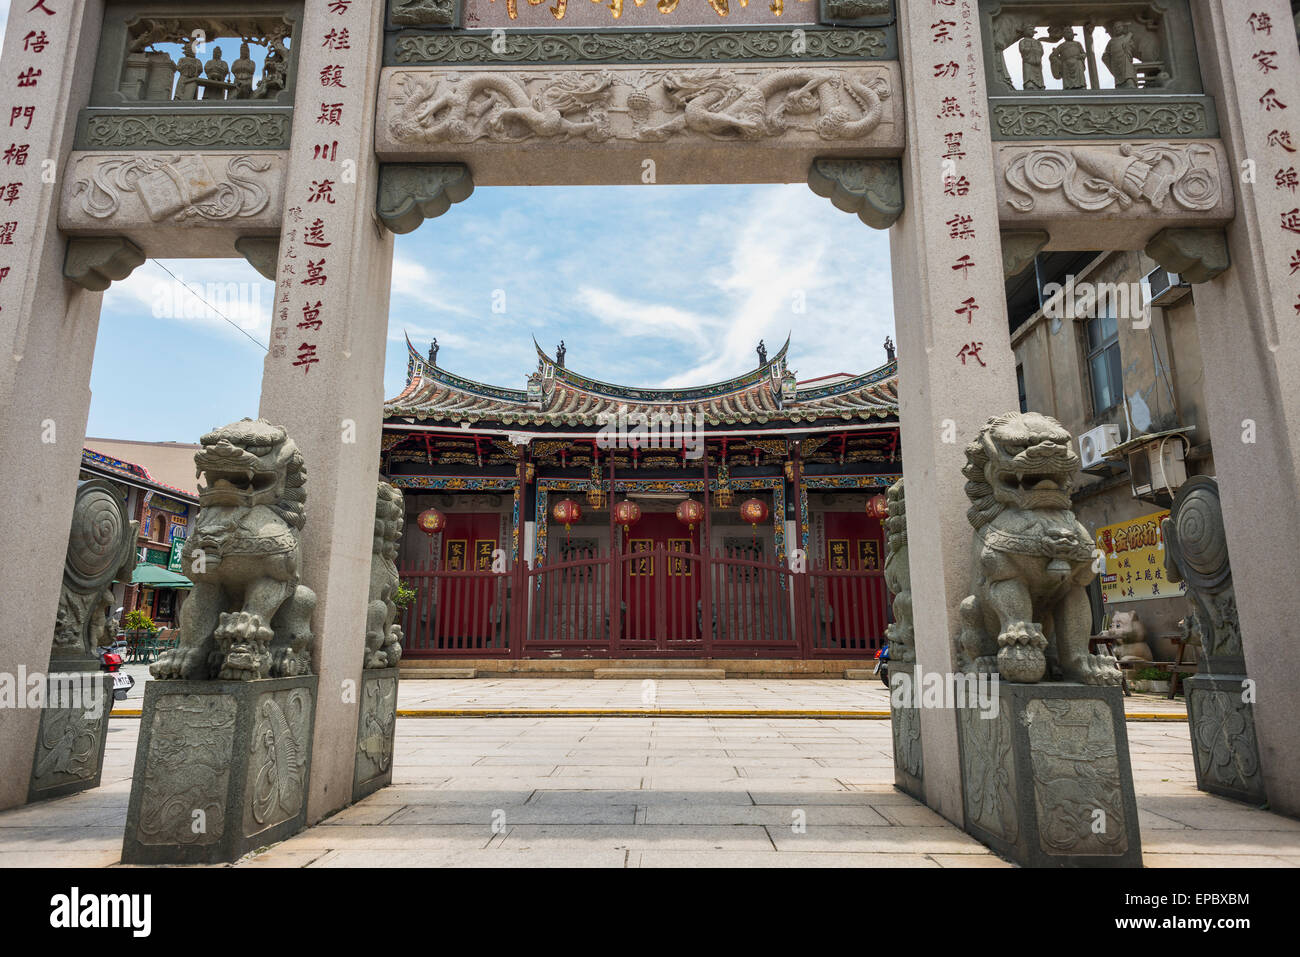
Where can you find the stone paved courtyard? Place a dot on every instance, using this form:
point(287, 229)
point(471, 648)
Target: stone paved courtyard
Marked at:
point(764, 694)
point(658, 791)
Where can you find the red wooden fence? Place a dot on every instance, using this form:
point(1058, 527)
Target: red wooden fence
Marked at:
point(654, 603)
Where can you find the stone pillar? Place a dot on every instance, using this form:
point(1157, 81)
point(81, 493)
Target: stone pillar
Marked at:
point(1250, 344)
point(955, 364)
point(324, 374)
point(47, 341)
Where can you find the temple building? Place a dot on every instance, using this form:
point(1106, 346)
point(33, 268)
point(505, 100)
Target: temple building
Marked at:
point(579, 518)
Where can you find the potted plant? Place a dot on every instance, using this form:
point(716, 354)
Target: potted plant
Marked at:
point(138, 624)
point(403, 596)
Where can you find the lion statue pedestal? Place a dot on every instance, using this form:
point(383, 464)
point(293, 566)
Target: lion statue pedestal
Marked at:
point(1046, 778)
point(224, 755)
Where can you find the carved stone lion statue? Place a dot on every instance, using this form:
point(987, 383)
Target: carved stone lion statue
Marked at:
point(383, 635)
point(248, 617)
point(1031, 560)
point(1130, 637)
point(898, 578)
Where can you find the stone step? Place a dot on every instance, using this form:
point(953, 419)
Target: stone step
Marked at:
point(860, 674)
point(406, 674)
point(661, 674)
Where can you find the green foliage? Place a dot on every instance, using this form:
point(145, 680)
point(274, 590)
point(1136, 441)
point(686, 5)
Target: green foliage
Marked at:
point(404, 595)
point(1151, 674)
point(138, 620)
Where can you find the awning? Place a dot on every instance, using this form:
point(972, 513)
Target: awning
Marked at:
point(155, 576)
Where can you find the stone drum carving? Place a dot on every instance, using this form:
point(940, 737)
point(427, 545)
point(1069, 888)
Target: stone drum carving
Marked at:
point(383, 634)
point(1031, 560)
point(248, 617)
point(1220, 715)
point(101, 550)
point(72, 735)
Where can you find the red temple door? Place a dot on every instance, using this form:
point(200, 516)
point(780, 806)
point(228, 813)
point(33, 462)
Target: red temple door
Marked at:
point(468, 541)
point(660, 585)
point(854, 542)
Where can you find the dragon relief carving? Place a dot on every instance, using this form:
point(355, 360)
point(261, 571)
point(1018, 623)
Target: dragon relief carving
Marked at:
point(248, 617)
point(1031, 559)
point(717, 103)
point(1092, 178)
point(176, 187)
point(383, 635)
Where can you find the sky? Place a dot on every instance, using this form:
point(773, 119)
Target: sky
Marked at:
point(647, 285)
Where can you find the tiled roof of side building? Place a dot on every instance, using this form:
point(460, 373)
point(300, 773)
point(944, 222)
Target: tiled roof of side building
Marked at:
point(557, 396)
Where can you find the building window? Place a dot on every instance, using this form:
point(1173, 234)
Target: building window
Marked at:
point(1020, 387)
point(1104, 364)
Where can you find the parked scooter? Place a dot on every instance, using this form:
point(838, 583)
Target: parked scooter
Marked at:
point(110, 660)
point(882, 664)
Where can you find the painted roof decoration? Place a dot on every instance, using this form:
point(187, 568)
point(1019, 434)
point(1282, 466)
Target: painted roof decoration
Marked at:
point(557, 396)
point(130, 470)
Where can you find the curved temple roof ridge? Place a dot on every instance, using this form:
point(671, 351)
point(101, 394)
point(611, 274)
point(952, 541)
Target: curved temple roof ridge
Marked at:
point(557, 396)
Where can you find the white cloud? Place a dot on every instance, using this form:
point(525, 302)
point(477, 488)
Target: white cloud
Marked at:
point(225, 295)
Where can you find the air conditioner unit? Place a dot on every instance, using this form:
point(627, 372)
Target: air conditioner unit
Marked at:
point(1095, 443)
point(1158, 467)
point(1164, 288)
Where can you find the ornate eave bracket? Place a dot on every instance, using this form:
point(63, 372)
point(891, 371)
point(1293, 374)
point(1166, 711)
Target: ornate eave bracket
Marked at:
point(1197, 255)
point(262, 253)
point(1019, 247)
point(95, 264)
point(410, 193)
point(871, 188)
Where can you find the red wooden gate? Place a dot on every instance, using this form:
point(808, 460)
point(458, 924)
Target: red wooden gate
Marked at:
point(657, 603)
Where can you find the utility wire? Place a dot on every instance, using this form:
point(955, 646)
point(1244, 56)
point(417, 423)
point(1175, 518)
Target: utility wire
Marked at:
point(206, 303)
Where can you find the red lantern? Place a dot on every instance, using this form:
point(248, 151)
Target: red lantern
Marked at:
point(431, 521)
point(627, 513)
point(568, 512)
point(877, 506)
point(689, 512)
point(755, 512)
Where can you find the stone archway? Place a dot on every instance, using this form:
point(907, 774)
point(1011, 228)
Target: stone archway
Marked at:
point(378, 115)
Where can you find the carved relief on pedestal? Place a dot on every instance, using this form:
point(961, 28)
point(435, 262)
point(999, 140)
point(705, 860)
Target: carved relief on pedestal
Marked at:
point(122, 190)
point(1095, 177)
point(191, 744)
point(375, 734)
point(1223, 740)
point(68, 747)
point(1076, 774)
point(709, 103)
point(277, 759)
point(989, 772)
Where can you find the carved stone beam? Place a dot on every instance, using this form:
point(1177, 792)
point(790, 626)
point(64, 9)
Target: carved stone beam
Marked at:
point(1197, 255)
point(872, 188)
point(95, 264)
point(1019, 247)
point(262, 253)
point(410, 194)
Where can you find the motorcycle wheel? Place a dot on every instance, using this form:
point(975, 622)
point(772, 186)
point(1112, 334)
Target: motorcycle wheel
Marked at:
point(884, 676)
